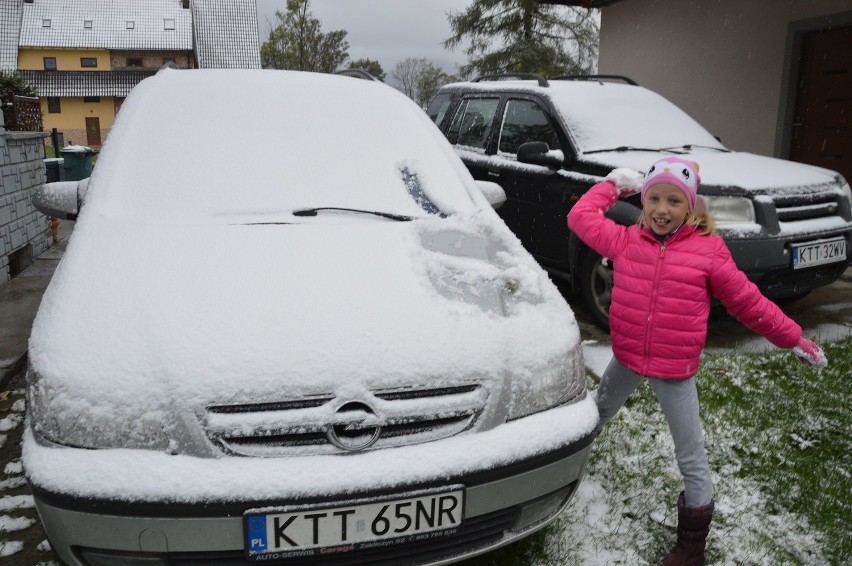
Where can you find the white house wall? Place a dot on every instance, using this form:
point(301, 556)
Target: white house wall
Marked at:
point(725, 62)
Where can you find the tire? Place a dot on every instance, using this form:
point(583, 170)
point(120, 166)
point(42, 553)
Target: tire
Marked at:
point(596, 287)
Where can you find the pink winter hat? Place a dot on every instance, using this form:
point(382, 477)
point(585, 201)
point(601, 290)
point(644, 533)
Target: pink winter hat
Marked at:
point(681, 173)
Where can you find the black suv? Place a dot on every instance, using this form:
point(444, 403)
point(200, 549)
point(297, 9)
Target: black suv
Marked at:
point(546, 142)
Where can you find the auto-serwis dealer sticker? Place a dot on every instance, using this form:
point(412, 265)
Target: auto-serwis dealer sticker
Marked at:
point(819, 252)
point(306, 532)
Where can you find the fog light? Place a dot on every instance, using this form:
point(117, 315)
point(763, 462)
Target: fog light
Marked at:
point(543, 508)
point(105, 558)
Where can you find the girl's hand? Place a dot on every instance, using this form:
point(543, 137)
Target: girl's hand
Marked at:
point(810, 354)
point(627, 181)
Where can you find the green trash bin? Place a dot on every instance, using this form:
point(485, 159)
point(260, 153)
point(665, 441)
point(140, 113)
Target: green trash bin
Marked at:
point(78, 162)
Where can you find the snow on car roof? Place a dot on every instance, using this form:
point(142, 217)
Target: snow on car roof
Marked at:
point(603, 115)
point(267, 142)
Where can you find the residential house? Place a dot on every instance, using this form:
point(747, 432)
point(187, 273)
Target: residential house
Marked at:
point(772, 77)
point(85, 56)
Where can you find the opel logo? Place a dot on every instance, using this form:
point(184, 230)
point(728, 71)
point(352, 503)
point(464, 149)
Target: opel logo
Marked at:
point(354, 427)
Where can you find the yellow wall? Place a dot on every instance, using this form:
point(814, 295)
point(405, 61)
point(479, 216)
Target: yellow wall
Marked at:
point(74, 113)
point(66, 59)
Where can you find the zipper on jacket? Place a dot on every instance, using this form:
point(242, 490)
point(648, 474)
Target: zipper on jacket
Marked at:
point(649, 324)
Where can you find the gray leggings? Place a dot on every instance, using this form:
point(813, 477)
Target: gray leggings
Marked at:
point(679, 401)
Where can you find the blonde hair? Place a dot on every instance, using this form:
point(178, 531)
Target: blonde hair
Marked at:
point(700, 218)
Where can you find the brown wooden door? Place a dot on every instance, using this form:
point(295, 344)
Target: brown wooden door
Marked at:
point(822, 131)
point(93, 131)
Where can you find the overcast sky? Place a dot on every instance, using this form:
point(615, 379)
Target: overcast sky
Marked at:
point(387, 31)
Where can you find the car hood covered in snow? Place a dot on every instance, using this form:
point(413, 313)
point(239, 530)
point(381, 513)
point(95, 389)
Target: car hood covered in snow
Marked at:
point(217, 312)
point(733, 171)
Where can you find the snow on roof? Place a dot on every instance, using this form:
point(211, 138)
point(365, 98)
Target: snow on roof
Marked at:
point(116, 24)
point(10, 26)
point(226, 34)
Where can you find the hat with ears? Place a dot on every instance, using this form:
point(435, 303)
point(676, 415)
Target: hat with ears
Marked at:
point(681, 173)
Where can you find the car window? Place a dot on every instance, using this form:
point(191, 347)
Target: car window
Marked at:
point(471, 125)
point(525, 121)
point(437, 109)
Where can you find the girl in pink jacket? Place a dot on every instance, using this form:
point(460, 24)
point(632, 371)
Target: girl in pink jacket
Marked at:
point(665, 270)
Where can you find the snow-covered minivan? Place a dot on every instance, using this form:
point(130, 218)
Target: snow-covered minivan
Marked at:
point(546, 142)
point(290, 327)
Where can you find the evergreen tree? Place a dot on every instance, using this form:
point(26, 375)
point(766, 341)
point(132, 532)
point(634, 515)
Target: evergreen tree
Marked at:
point(371, 66)
point(525, 36)
point(297, 42)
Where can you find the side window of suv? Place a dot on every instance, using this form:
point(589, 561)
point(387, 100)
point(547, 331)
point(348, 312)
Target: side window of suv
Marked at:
point(526, 121)
point(438, 107)
point(471, 125)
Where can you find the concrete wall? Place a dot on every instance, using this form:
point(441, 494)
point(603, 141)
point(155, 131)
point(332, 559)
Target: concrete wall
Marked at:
point(727, 63)
point(22, 228)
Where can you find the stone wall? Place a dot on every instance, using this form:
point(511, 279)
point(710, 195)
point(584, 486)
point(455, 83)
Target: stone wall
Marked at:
point(24, 232)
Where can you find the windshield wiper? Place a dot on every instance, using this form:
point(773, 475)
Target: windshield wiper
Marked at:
point(691, 146)
point(631, 148)
point(389, 215)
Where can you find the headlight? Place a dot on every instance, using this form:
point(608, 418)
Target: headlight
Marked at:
point(73, 420)
point(844, 188)
point(730, 210)
point(549, 385)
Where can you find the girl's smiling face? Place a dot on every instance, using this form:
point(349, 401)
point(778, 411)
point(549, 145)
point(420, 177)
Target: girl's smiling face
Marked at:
point(665, 209)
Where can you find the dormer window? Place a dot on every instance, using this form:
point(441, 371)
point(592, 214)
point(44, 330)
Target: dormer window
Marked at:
point(45, 23)
point(168, 24)
point(130, 24)
point(87, 24)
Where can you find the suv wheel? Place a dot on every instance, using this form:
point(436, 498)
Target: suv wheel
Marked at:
point(596, 287)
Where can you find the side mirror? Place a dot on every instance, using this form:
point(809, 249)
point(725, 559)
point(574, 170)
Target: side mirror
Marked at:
point(61, 199)
point(494, 193)
point(538, 153)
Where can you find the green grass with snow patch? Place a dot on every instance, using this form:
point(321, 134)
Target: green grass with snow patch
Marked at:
point(778, 440)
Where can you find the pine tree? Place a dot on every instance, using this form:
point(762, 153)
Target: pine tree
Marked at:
point(297, 42)
point(525, 36)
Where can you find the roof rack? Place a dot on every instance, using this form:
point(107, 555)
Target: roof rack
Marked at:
point(358, 74)
point(502, 76)
point(595, 78)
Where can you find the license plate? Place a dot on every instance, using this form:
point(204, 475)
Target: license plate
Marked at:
point(312, 531)
point(819, 252)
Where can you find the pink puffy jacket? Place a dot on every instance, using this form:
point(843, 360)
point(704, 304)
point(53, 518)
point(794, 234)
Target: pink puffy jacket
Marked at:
point(661, 292)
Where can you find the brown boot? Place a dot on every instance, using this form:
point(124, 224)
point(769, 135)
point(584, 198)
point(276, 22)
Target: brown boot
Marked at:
point(693, 524)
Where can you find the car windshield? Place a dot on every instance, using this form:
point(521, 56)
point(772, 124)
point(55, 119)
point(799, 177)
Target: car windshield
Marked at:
point(202, 147)
point(615, 117)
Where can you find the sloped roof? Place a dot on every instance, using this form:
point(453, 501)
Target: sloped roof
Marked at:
point(106, 24)
point(86, 83)
point(226, 35)
point(10, 25)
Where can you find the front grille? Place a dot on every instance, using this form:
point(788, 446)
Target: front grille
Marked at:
point(300, 427)
point(791, 208)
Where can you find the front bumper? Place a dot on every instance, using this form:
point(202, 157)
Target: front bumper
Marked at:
point(505, 499)
point(768, 263)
